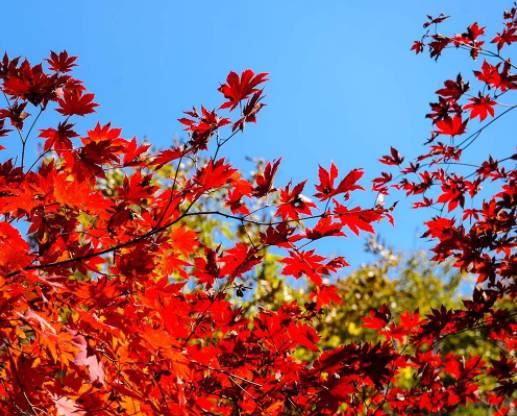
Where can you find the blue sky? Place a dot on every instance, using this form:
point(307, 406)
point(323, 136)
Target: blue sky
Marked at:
point(344, 85)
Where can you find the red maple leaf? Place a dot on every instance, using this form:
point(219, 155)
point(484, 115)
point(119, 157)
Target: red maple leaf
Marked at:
point(489, 74)
point(294, 203)
point(74, 103)
point(435, 20)
point(301, 263)
point(326, 187)
point(61, 62)
point(58, 139)
point(393, 159)
point(264, 181)
point(417, 46)
point(238, 88)
point(451, 126)
point(480, 106)
point(356, 218)
point(507, 36)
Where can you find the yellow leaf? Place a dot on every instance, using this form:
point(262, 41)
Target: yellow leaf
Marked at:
point(353, 329)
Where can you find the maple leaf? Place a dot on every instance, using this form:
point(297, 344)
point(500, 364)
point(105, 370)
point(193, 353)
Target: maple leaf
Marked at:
point(301, 263)
point(16, 114)
point(454, 89)
point(58, 139)
point(30, 83)
point(207, 268)
point(238, 260)
point(278, 235)
point(356, 219)
point(393, 159)
point(202, 128)
point(324, 228)
point(293, 203)
point(238, 88)
point(451, 126)
point(489, 74)
point(439, 227)
point(167, 156)
point(379, 184)
point(435, 20)
point(481, 106)
point(242, 188)
point(417, 46)
point(183, 239)
point(474, 31)
point(470, 38)
point(215, 174)
point(61, 62)
point(326, 186)
point(15, 250)
point(409, 321)
point(374, 321)
point(133, 152)
point(304, 335)
point(264, 181)
point(73, 103)
point(507, 36)
point(249, 112)
point(102, 133)
point(453, 193)
point(437, 45)
point(326, 295)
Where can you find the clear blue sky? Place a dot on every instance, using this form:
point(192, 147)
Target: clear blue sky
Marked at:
point(344, 85)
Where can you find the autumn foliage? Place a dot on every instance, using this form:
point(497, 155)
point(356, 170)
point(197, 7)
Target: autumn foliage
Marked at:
point(114, 301)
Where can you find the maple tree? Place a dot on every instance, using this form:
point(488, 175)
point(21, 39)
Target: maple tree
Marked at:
point(117, 298)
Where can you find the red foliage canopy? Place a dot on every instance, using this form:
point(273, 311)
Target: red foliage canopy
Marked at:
point(110, 302)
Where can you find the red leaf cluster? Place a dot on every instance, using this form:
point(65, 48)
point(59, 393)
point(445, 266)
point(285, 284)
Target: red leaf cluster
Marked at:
point(112, 300)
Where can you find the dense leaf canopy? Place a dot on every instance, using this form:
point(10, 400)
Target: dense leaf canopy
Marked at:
point(145, 282)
